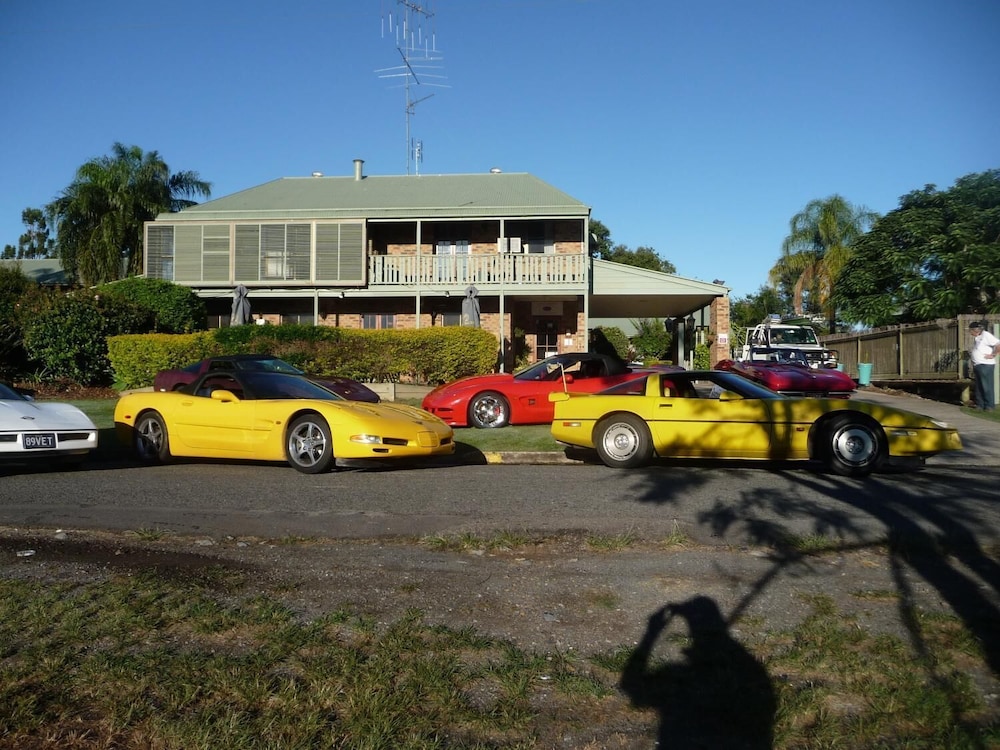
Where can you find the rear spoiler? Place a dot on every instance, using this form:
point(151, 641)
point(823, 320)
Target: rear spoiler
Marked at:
point(556, 396)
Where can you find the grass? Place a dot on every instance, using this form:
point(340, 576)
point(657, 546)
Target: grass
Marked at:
point(145, 660)
point(992, 416)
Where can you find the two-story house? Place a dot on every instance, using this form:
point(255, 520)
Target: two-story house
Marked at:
point(404, 251)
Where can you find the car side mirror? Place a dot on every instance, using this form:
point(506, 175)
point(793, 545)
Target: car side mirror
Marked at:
point(221, 394)
point(730, 396)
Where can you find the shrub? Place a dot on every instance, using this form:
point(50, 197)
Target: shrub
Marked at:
point(652, 340)
point(702, 357)
point(16, 290)
point(68, 335)
point(173, 308)
point(426, 355)
point(616, 336)
point(135, 359)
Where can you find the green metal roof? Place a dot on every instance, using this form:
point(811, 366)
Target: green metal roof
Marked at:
point(44, 271)
point(497, 195)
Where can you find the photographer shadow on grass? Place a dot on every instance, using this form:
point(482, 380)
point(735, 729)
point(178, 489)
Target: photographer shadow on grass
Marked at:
point(717, 696)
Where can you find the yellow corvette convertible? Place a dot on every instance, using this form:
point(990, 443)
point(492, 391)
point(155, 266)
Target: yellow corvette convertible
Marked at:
point(718, 414)
point(268, 416)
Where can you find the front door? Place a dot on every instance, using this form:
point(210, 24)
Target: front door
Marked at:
point(546, 337)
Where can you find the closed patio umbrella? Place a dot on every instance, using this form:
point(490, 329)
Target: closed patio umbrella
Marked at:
point(241, 307)
point(470, 308)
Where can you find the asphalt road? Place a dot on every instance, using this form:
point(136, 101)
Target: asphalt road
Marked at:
point(733, 504)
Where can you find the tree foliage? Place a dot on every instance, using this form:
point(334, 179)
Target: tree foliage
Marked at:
point(642, 257)
point(35, 242)
point(936, 256)
point(16, 290)
point(651, 340)
point(814, 252)
point(67, 336)
point(173, 308)
point(99, 217)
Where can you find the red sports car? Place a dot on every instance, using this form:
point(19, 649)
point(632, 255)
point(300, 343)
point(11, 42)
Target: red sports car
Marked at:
point(523, 398)
point(787, 371)
point(172, 380)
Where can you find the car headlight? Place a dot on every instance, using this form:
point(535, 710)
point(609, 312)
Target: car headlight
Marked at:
point(366, 439)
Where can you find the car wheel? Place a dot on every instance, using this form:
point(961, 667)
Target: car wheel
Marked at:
point(309, 445)
point(623, 441)
point(150, 439)
point(855, 447)
point(488, 410)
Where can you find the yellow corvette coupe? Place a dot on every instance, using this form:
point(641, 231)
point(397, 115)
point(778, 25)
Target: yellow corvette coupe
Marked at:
point(718, 414)
point(268, 416)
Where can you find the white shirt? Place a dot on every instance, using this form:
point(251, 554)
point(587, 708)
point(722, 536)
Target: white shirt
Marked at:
point(983, 348)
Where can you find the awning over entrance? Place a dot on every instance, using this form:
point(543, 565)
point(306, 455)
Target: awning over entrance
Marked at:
point(621, 291)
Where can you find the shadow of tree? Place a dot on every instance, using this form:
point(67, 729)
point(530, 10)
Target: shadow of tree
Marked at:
point(938, 527)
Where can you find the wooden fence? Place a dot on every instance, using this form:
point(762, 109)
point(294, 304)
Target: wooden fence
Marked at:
point(935, 350)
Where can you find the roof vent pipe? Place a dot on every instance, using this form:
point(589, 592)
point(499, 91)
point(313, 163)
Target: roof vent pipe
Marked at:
point(358, 173)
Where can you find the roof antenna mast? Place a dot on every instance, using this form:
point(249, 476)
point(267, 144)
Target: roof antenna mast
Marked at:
point(410, 28)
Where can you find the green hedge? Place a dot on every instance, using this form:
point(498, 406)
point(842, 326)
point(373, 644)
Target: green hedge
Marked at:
point(425, 355)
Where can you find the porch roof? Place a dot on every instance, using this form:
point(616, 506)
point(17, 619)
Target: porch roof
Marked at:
point(408, 197)
point(621, 291)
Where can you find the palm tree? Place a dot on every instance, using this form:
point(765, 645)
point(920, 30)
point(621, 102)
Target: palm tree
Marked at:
point(99, 217)
point(816, 249)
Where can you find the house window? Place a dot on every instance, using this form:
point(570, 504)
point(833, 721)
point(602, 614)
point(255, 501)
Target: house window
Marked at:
point(450, 318)
point(160, 252)
point(373, 321)
point(452, 261)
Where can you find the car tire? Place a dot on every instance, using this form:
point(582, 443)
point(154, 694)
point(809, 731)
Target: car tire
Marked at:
point(150, 440)
point(623, 441)
point(309, 444)
point(489, 410)
point(854, 447)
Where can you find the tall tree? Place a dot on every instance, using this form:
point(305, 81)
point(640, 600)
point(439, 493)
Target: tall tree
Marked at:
point(35, 242)
point(642, 257)
point(936, 256)
point(99, 217)
point(600, 238)
point(816, 248)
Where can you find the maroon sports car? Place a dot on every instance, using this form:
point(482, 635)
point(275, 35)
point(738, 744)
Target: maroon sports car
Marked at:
point(172, 380)
point(787, 371)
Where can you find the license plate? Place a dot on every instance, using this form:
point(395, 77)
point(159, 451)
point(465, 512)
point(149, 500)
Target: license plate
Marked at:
point(42, 440)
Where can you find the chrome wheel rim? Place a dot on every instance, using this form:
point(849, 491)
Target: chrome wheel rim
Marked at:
point(855, 445)
point(149, 438)
point(307, 444)
point(489, 410)
point(620, 441)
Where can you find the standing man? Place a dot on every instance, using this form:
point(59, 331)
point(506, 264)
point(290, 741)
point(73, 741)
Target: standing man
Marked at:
point(983, 355)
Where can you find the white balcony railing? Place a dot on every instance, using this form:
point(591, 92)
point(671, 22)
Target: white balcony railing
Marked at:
point(525, 269)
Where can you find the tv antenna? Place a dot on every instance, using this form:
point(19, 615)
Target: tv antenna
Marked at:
point(416, 41)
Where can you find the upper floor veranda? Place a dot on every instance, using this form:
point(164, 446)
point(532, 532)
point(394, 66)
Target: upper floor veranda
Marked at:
point(535, 253)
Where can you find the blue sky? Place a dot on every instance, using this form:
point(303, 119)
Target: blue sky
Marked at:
point(697, 128)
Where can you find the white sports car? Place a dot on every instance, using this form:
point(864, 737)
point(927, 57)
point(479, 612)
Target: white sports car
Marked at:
point(47, 430)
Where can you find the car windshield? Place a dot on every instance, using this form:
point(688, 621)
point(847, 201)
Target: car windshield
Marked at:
point(553, 368)
point(9, 394)
point(744, 387)
point(270, 385)
point(548, 369)
point(268, 365)
point(792, 335)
